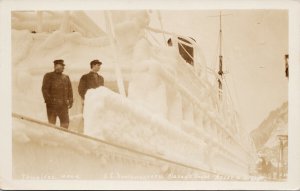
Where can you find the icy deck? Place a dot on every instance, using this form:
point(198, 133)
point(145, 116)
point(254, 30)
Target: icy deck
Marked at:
point(53, 153)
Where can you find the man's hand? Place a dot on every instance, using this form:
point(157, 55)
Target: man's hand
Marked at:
point(70, 104)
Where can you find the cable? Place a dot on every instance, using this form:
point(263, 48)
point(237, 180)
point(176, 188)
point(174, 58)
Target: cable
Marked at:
point(161, 26)
point(228, 89)
point(153, 37)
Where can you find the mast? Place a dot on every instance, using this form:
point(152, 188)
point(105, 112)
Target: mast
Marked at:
point(220, 72)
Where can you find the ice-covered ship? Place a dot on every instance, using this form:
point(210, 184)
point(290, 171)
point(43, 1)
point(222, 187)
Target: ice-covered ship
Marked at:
point(157, 116)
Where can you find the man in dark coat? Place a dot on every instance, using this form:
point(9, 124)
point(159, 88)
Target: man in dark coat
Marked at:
point(58, 94)
point(90, 80)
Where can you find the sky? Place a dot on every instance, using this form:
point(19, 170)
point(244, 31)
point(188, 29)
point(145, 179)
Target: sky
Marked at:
point(254, 44)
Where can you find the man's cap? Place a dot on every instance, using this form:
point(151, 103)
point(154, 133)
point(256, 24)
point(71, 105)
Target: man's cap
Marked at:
point(60, 61)
point(94, 62)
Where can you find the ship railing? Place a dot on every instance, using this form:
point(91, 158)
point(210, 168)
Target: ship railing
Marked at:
point(205, 83)
point(211, 124)
point(129, 153)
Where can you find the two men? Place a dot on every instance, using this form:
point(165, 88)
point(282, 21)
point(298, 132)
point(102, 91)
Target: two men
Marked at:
point(58, 94)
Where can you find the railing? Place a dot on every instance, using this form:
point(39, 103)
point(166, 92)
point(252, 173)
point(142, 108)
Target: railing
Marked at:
point(209, 124)
point(138, 155)
point(207, 87)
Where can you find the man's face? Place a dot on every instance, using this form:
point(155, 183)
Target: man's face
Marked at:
point(96, 67)
point(59, 68)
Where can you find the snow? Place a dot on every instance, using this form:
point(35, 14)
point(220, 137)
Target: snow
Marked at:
point(33, 56)
point(49, 21)
point(82, 158)
point(127, 125)
point(167, 105)
point(133, 126)
point(276, 123)
point(279, 125)
point(128, 27)
point(21, 49)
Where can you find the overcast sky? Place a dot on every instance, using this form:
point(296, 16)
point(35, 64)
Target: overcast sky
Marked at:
point(254, 45)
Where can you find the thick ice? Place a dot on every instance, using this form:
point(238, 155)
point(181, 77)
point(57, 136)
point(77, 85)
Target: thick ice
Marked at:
point(111, 117)
point(167, 105)
point(129, 28)
point(22, 40)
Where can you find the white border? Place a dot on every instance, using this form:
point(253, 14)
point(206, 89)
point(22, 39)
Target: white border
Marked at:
point(5, 88)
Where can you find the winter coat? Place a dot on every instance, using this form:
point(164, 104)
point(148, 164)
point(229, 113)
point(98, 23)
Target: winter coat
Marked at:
point(57, 89)
point(90, 80)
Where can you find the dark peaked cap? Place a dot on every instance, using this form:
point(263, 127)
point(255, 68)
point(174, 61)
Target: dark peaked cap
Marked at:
point(61, 62)
point(94, 62)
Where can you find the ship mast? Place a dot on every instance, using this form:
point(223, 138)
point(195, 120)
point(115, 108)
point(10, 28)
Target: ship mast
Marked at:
point(220, 72)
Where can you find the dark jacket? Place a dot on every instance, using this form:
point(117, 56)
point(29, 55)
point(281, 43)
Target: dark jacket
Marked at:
point(90, 80)
point(57, 89)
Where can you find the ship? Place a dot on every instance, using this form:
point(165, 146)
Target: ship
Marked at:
point(159, 115)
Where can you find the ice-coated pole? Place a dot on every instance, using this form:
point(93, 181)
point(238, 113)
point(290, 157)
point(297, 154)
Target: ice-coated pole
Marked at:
point(110, 31)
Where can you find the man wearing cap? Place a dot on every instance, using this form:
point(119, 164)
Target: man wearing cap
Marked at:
point(58, 94)
point(90, 80)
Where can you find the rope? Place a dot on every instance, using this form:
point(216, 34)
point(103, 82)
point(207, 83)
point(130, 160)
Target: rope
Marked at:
point(153, 38)
point(161, 26)
point(215, 55)
point(234, 87)
point(214, 73)
point(229, 94)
